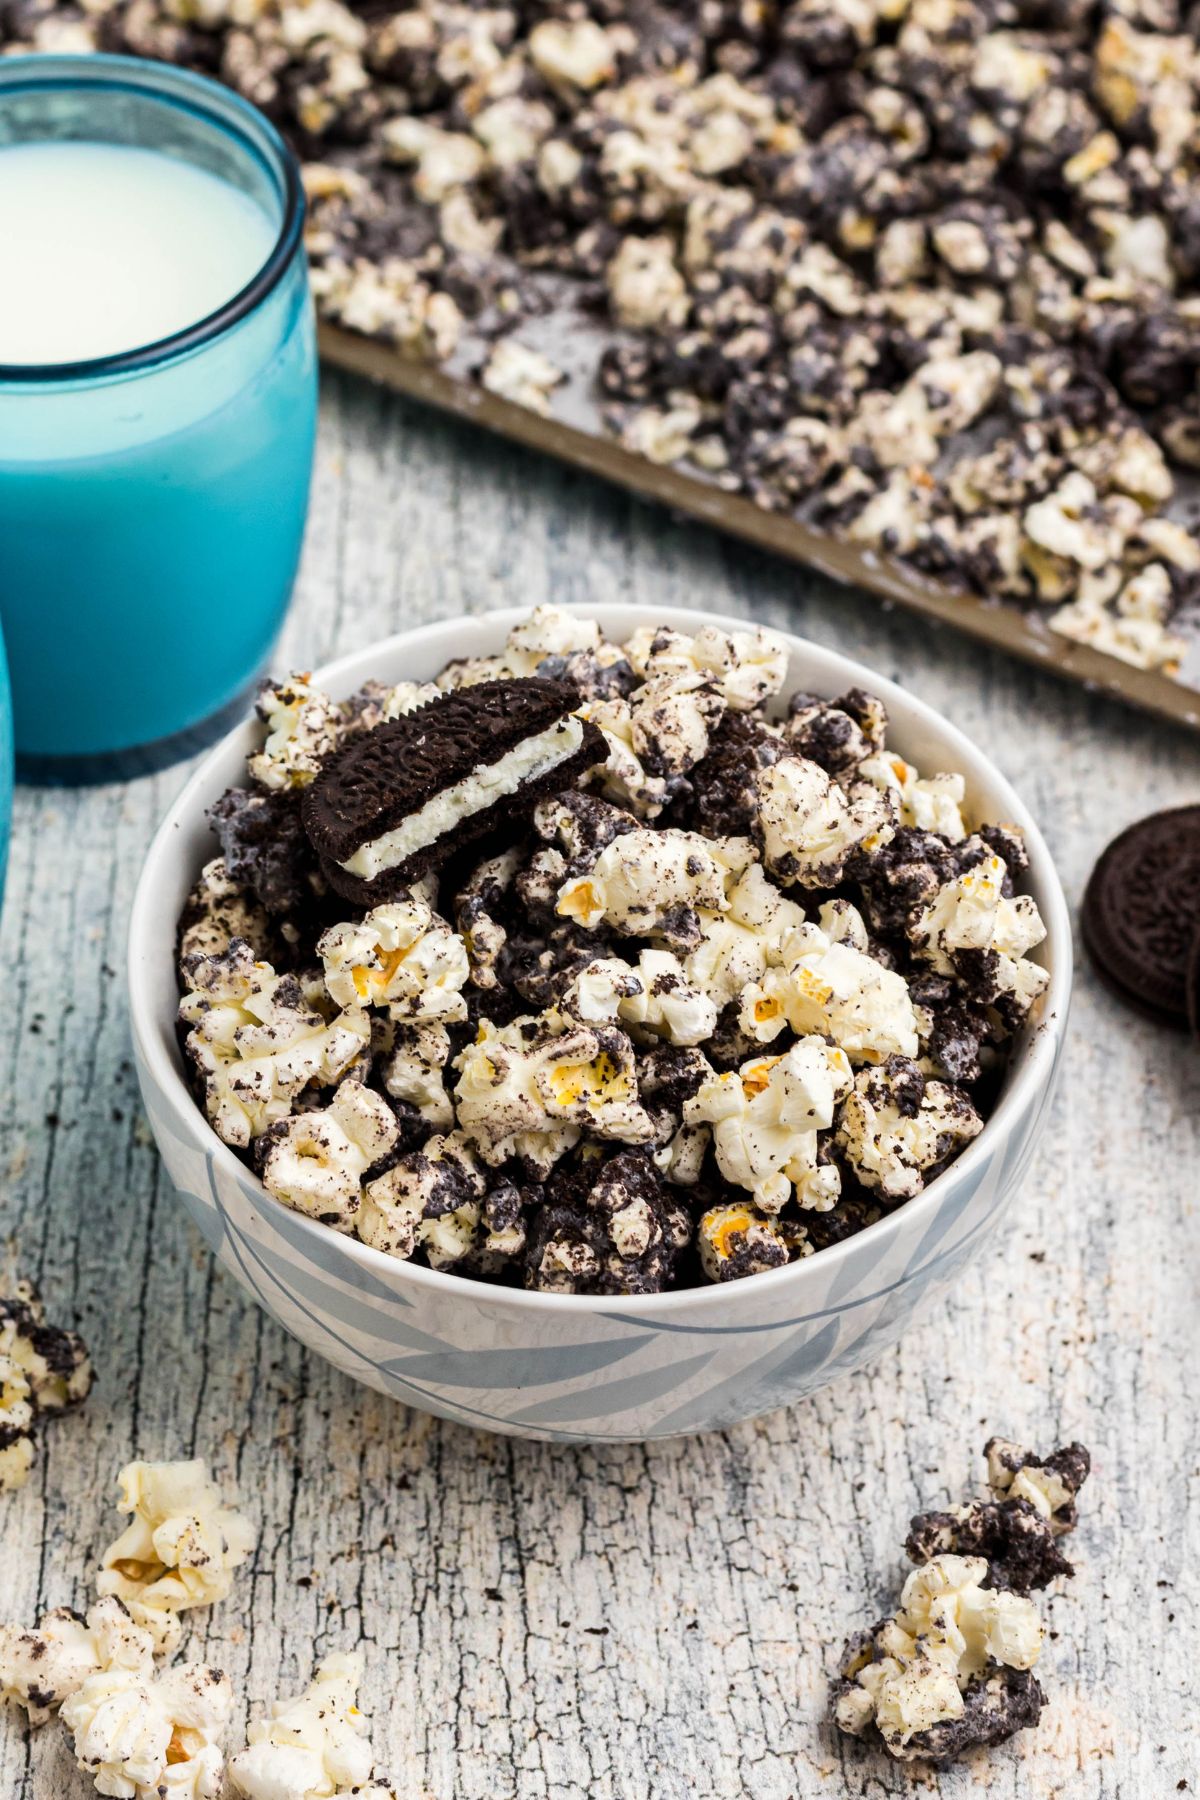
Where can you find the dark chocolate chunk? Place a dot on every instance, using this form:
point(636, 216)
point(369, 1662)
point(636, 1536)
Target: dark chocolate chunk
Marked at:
point(382, 778)
point(1141, 913)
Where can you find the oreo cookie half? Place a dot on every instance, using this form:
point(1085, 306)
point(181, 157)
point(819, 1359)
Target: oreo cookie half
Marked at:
point(398, 800)
point(1141, 913)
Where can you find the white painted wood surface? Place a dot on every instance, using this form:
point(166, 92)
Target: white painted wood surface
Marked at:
point(618, 1623)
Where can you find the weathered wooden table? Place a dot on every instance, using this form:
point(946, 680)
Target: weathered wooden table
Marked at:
point(620, 1622)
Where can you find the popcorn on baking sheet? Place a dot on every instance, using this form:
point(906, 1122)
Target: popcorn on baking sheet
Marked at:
point(179, 1550)
point(44, 1369)
point(312, 1746)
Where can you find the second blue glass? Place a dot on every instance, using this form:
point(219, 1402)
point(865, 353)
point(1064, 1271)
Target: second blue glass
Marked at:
point(152, 503)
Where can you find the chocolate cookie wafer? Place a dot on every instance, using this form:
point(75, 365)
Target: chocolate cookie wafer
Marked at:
point(1141, 913)
point(398, 800)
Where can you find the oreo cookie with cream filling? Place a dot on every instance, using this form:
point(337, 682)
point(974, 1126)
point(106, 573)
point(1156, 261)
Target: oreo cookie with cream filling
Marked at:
point(396, 801)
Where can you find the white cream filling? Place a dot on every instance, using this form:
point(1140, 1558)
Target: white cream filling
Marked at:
point(533, 758)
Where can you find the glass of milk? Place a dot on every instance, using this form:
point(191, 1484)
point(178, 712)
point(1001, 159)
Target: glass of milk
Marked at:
point(157, 407)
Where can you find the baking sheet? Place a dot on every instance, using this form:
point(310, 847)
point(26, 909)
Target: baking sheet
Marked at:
point(575, 437)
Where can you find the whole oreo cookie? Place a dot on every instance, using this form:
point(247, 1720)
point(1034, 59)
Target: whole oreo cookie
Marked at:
point(396, 801)
point(1141, 913)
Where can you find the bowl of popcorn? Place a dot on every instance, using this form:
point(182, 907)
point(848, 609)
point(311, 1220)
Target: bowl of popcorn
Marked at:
point(597, 1023)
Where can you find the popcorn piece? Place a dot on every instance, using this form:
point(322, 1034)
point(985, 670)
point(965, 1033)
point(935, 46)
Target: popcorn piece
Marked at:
point(255, 1042)
point(524, 376)
point(314, 1162)
point(301, 732)
point(40, 1669)
point(837, 734)
point(826, 983)
point(654, 994)
point(401, 956)
point(895, 1127)
point(765, 1120)
point(428, 1200)
point(412, 1071)
point(974, 929)
point(606, 1228)
point(671, 721)
point(217, 910)
point(528, 1089)
point(927, 803)
point(143, 1735)
point(549, 632)
point(1050, 1484)
point(746, 667)
point(44, 1369)
point(313, 1746)
point(737, 1239)
point(949, 1671)
point(644, 286)
point(179, 1550)
point(650, 883)
point(572, 54)
point(811, 828)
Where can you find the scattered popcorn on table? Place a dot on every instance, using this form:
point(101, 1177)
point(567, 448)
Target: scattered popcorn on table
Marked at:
point(146, 1734)
point(40, 1669)
point(178, 1551)
point(313, 1746)
point(950, 1671)
point(725, 1001)
point(44, 1369)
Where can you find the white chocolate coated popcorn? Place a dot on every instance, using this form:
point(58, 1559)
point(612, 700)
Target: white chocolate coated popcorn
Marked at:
point(973, 914)
point(529, 1088)
point(257, 1043)
point(765, 1121)
point(653, 994)
point(948, 1631)
point(894, 1127)
point(400, 955)
point(302, 729)
point(315, 1161)
point(828, 985)
point(739, 1239)
point(926, 802)
point(179, 1550)
point(746, 667)
point(44, 1369)
point(312, 1747)
point(412, 1071)
point(644, 876)
point(810, 826)
point(430, 1198)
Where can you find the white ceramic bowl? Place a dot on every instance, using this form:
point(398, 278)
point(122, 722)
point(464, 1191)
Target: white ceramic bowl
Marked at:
point(561, 1366)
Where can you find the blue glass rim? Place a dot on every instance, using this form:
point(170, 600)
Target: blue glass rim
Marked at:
point(228, 112)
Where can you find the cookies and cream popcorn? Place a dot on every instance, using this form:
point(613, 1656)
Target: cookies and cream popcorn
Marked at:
point(145, 1734)
point(39, 1669)
point(950, 1671)
point(400, 956)
point(895, 1126)
point(44, 1369)
point(973, 927)
point(811, 827)
point(515, 372)
point(255, 1042)
point(652, 883)
point(1050, 1484)
point(765, 1119)
point(179, 1550)
point(302, 729)
point(938, 1677)
point(741, 954)
point(431, 1198)
point(824, 981)
point(312, 1747)
point(315, 1161)
point(529, 1088)
point(654, 994)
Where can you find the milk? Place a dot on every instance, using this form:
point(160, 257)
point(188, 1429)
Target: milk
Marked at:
point(105, 249)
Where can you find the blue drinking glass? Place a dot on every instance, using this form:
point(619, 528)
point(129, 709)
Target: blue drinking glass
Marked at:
point(6, 768)
point(152, 503)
